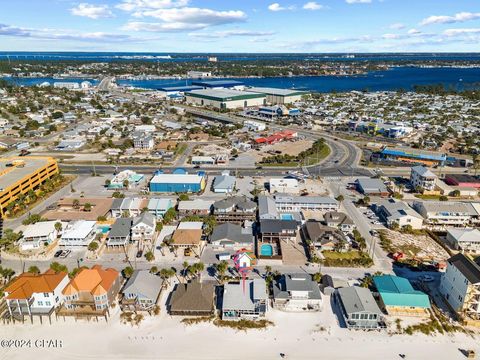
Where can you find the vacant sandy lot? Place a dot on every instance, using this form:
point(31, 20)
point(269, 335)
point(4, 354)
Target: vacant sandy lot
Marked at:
point(420, 246)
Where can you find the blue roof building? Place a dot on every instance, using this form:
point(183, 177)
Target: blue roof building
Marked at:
point(398, 297)
point(414, 155)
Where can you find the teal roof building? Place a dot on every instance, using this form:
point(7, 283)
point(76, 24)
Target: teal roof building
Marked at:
point(399, 297)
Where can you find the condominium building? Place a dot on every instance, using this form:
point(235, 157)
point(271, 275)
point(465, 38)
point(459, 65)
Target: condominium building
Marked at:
point(422, 177)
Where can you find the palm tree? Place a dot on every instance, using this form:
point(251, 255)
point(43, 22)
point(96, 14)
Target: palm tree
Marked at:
point(184, 271)
point(221, 268)
point(268, 269)
point(76, 203)
point(34, 270)
point(58, 226)
point(87, 207)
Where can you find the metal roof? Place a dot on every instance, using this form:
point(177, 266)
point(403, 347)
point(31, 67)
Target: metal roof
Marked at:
point(144, 285)
point(224, 94)
point(357, 299)
point(235, 298)
point(397, 291)
point(277, 91)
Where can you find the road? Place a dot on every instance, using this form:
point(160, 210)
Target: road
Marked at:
point(381, 261)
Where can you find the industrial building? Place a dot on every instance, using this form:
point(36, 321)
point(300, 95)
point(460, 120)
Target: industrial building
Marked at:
point(178, 183)
point(224, 98)
point(18, 176)
point(218, 84)
point(279, 96)
point(177, 91)
point(415, 156)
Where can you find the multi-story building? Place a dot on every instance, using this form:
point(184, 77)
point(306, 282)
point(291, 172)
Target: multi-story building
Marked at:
point(297, 292)
point(299, 203)
point(445, 213)
point(421, 177)
point(35, 236)
point(245, 301)
point(20, 175)
point(31, 294)
point(93, 288)
point(78, 233)
point(143, 141)
point(396, 212)
point(465, 240)
point(460, 286)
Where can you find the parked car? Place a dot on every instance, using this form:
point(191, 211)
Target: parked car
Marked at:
point(139, 253)
point(58, 253)
point(426, 278)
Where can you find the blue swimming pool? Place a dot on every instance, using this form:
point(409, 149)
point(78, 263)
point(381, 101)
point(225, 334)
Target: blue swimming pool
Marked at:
point(286, 216)
point(104, 229)
point(266, 250)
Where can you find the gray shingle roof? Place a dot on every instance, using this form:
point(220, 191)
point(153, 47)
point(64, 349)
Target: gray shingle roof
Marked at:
point(144, 285)
point(275, 225)
point(467, 267)
point(121, 228)
point(296, 282)
point(229, 232)
point(194, 296)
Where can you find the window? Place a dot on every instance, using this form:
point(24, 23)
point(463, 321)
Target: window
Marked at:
point(47, 303)
point(364, 316)
point(40, 303)
point(46, 294)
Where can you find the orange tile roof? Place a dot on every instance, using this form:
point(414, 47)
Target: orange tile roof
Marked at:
point(96, 281)
point(26, 284)
point(187, 237)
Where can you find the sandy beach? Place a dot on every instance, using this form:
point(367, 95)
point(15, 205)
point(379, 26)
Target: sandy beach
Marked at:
point(298, 335)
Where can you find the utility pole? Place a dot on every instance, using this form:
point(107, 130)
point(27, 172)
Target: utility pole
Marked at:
point(94, 171)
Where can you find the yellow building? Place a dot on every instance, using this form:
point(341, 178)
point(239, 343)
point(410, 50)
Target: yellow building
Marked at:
point(20, 175)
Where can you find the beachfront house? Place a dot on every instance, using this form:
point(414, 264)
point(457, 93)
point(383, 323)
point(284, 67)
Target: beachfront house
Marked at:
point(32, 294)
point(193, 299)
point(358, 308)
point(247, 300)
point(142, 291)
point(143, 227)
point(296, 292)
point(94, 289)
point(36, 236)
point(78, 233)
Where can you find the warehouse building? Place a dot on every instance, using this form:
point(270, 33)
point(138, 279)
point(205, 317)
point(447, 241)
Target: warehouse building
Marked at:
point(19, 176)
point(413, 156)
point(279, 96)
point(178, 183)
point(177, 91)
point(224, 98)
point(218, 84)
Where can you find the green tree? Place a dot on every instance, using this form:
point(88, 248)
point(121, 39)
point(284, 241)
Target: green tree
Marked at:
point(57, 267)
point(58, 226)
point(34, 270)
point(9, 238)
point(128, 272)
point(149, 256)
point(87, 207)
point(93, 246)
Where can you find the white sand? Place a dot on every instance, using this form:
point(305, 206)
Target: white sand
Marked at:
point(164, 337)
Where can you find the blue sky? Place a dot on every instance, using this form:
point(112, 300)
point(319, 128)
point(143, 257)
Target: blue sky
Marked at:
point(241, 25)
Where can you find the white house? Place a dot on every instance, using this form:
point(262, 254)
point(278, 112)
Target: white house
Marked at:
point(254, 125)
point(31, 294)
point(78, 233)
point(143, 227)
point(460, 285)
point(466, 240)
point(38, 234)
point(285, 186)
point(422, 177)
point(445, 213)
point(224, 183)
point(398, 212)
point(297, 292)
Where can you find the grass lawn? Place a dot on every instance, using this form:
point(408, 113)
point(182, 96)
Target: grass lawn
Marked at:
point(346, 259)
point(428, 197)
point(315, 158)
point(180, 149)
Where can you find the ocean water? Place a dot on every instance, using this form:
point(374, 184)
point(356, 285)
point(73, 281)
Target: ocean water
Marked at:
point(172, 57)
point(389, 80)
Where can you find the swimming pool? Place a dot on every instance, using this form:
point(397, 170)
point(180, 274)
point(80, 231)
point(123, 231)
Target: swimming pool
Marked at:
point(104, 229)
point(286, 216)
point(266, 250)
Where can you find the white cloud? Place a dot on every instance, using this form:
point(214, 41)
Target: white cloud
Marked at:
point(186, 18)
point(444, 19)
point(61, 34)
point(358, 1)
point(139, 5)
point(413, 32)
point(92, 11)
point(397, 26)
point(312, 5)
point(278, 7)
point(230, 33)
point(456, 32)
